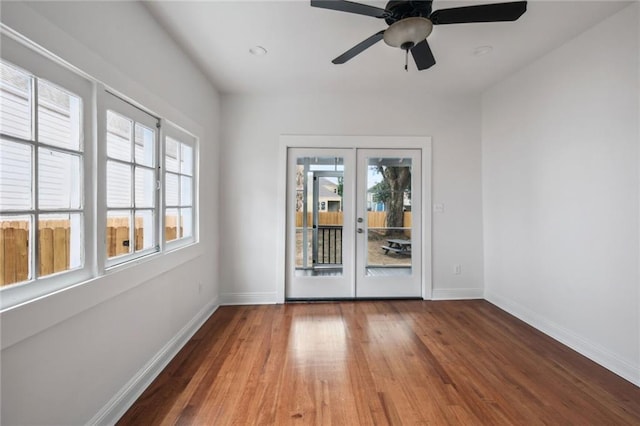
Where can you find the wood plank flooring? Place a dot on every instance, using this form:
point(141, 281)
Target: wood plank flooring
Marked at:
point(381, 362)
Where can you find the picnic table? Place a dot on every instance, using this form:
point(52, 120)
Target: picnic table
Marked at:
point(397, 246)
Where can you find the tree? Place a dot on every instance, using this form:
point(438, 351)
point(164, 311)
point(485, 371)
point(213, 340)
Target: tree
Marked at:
point(390, 191)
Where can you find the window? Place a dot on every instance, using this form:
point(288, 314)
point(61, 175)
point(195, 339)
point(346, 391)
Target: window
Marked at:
point(131, 181)
point(62, 220)
point(179, 161)
point(43, 204)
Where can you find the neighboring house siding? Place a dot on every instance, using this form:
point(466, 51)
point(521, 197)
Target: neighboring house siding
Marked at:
point(56, 128)
point(119, 175)
point(58, 178)
point(15, 176)
point(15, 164)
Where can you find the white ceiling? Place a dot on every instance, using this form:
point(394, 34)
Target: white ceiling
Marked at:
point(302, 40)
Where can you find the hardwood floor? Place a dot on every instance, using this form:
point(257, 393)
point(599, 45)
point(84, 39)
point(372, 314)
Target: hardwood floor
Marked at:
point(382, 362)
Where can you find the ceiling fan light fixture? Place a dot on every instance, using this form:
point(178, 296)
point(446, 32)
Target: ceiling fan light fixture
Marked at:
point(408, 32)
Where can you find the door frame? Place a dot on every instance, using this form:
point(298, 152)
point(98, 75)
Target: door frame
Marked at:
point(359, 142)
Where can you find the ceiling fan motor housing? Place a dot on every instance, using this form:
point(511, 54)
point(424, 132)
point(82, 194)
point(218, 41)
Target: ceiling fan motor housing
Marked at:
point(400, 9)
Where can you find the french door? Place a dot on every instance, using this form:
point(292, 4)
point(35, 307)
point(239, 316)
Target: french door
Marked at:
point(351, 231)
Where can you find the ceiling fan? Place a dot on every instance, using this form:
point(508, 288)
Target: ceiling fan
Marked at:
point(411, 22)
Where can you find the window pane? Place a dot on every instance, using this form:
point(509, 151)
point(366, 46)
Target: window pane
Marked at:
point(60, 243)
point(171, 189)
point(145, 187)
point(171, 155)
point(171, 229)
point(144, 230)
point(144, 147)
point(15, 176)
point(59, 117)
point(186, 157)
point(59, 183)
point(15, 232)
point(118, 185)
point(15, 102)
point(118, 236)
point(119, 135)
point(186, 220)
point(186, 189)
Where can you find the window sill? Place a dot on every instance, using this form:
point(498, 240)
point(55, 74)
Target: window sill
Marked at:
point(29, 318)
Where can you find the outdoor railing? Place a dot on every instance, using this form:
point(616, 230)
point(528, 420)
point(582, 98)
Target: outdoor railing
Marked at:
point(329, 245)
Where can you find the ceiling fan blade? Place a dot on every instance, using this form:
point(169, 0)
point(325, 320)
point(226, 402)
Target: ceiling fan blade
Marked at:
point(423, 56)
point(351, 7)
point(359, 48)
point(481, 13)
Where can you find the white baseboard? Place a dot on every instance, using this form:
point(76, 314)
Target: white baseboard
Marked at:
point(457, 293)
point(249, 298)
point(594, 352)
point(130, 392)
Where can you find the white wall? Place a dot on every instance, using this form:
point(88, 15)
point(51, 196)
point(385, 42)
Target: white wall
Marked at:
point(251, 127)
point(66, 356)
point(560, 146)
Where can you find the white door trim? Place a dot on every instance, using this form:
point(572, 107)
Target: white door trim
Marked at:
point(319, 141)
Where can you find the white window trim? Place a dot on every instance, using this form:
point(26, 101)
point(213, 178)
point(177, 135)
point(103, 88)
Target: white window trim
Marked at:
point(43, 67)
point(32, 57)
point(106, 101)
point(181, 135)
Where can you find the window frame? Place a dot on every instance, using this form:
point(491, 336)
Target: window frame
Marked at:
point(26, 55)
point(108, 101)
point(173, 131)
point(41, 66)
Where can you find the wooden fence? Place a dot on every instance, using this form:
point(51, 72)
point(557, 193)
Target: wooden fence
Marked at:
point(118, 236)
point(374, 219)
point(54, 245)
point(14, 251)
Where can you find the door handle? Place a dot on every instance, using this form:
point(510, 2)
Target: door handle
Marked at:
point(360, 231)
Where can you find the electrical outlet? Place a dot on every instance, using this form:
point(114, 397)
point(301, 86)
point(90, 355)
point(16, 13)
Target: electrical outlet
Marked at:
point(438, 208)
point(457, 269)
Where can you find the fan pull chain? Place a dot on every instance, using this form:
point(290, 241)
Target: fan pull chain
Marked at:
point(406, 60)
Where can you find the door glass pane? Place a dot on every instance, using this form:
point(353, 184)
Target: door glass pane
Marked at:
point(15, 232)
point(59, 243)
point(319, 215)
point(388, 216)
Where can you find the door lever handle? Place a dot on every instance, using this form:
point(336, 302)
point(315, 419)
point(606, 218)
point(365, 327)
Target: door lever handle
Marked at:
point(360, 231)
